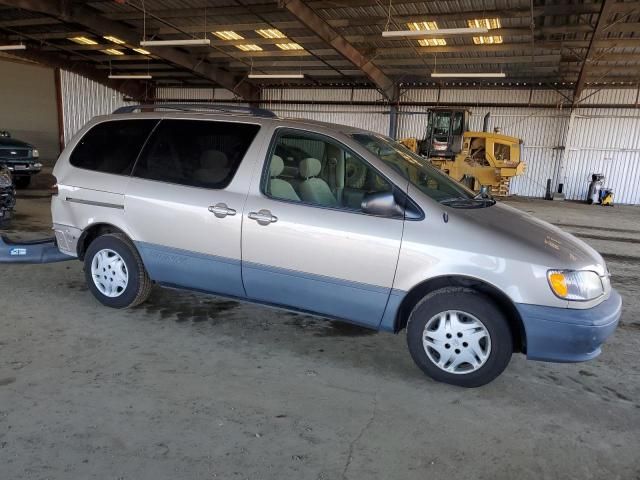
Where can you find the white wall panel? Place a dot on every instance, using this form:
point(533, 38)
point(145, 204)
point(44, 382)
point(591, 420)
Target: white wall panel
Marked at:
point(371, 117)
point(200, 94)
point(604, 141)
point(83, 99)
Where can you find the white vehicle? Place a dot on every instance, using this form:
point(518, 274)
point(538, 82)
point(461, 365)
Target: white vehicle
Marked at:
point(329, 220)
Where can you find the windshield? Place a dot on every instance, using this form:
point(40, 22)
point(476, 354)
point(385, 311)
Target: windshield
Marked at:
point(415, 169)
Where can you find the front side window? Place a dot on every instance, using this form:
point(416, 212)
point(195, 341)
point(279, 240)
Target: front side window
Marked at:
point(112, 147)
point(431, 181)
point(195, 153)
point(315, 170)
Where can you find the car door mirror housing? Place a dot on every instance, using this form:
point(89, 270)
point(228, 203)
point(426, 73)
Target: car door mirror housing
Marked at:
point(382, 204)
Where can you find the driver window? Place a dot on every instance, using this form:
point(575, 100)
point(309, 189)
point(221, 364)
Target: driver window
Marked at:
point(317, 171)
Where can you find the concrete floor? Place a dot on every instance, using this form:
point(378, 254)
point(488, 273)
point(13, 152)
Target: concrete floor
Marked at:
point(194, 386)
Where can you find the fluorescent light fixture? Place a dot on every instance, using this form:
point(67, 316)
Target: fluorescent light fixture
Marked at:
point(468, 75)
point(83, 40)
point(141, 51)
point(433, 33)
point(489, 23)
point(130, 77)
point(113, 39)
point(228, 35)
point(277, 75)
point(175, 43)
point(491, 40)
point(12, 47)
point(112, 51)
point(289, 46)
point(432, 42)
point(251, 47)
point(270, 33)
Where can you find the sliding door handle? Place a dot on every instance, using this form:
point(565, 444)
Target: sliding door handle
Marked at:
point(263, 217)
point(221, 210)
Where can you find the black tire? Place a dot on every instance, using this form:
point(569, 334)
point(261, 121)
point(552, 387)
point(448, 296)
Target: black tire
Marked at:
point(480, 306)
point(22, 182)
point(139, 284)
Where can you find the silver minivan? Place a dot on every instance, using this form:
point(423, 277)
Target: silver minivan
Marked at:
point(329, 220)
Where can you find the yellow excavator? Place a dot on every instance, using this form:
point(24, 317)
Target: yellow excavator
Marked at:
point(476, 159)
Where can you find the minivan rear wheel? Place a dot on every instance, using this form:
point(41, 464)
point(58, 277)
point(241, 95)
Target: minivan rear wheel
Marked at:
point(459, 336)
point(114, 272)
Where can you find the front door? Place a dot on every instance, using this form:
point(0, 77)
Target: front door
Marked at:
point(184, 202)
point(306, 243)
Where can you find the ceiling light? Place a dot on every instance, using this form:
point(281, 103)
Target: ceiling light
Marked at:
point(175, 43)
point(12, 47)
point(112, 51)
point(228, 35)
point(130, 77)
point(438, 32)
point(432, 42)
point(270, 33)
point(422, 25)
point(468, 75)
point(113, 39)
point(142, 51)
point(251, 47)
point(487, 40)
point(284, 75)
point(83, 40)
point(289, 46)
point(489, 23)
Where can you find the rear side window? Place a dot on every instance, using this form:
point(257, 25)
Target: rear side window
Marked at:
point(112, 147)
point(195, 153)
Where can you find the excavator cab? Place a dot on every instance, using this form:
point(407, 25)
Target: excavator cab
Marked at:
point(445, 133)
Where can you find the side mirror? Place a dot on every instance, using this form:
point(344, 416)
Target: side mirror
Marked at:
point(484, 191)
point(382, 204)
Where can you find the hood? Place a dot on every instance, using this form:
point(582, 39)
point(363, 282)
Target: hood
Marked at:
point(520, 234)
point(6, 142)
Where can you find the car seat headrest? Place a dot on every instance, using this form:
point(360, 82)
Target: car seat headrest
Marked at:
point(276, 167)
point(310, 167)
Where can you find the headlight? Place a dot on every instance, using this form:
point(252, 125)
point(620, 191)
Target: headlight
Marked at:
point(35, 153)
point(579, 285)
point(37, 165)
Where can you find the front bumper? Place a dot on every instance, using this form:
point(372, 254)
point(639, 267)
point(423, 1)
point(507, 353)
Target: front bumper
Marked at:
point(25, 168)
point(568, 334)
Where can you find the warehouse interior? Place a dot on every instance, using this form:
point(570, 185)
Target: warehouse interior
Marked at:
point(190, 385)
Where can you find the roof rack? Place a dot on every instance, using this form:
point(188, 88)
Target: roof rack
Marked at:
point(194, 107)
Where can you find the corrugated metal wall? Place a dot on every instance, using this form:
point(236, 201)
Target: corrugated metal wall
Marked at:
point(601, 140)
point(370, 117)
point(604, 141)
point(598, 140)
point(83, 99)
point(193, 94)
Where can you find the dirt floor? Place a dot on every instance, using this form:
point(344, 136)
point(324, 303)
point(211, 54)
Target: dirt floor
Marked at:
point(194, 386)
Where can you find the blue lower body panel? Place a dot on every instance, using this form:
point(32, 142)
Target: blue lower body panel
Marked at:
point(568, 334)
point(359, 303)
point(192, 270)
point(35, 251)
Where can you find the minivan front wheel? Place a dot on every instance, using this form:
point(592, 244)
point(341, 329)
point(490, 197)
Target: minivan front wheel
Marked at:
point(114, 272)
point(459, 336)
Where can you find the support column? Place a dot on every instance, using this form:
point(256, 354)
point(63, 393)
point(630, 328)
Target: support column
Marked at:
point(393, 121)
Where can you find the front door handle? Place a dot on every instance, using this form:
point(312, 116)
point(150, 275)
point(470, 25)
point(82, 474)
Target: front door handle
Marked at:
point(221, 210)
point(263, 217)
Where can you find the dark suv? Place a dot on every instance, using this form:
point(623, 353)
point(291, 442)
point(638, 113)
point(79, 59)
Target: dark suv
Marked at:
point(20, 158)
